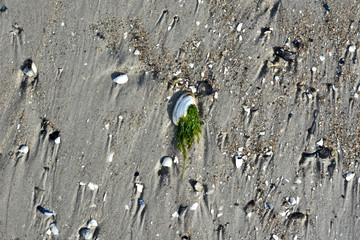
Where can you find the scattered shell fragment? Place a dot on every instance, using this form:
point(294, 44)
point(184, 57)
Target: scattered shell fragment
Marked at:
point(216, 95)
point(54, 229)
point(352, 48)
point(274, 237)
point(183, 103)
point(322, 58)
point(297, 180)
point(29, 68)
point(167, 162)
point(285, 54)
point(57, 140)
point(320, 142)
point(350, 176)
point(111, 157)
point(92, 224)
point(24, 149)
point(175, 214)
point(194, 207)
point(121, 79)
point(93, 186)
point(86, 233)
point(238, 161)
point(239, 26)
point(139, 187)
point(137, 52)
point(45, 211)
point(198, 187)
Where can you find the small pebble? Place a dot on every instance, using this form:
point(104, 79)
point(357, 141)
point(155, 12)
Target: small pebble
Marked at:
point(297, 181)
point(175, 215)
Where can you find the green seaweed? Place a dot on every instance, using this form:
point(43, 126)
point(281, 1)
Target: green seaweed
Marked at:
point(189, 126)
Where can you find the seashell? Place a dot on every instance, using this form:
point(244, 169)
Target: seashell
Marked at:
point(167, 162)
point(182, 105)
point(92, 224)
point(54, 229)
point(45, 211)
point(238, 161)
point(121, 79)
point(194, 207)
point(349, 176)
point(29, 68)
point(86, 233)
point(199, 187)
point(139, 188)
point(93, 186)
point(24, 149)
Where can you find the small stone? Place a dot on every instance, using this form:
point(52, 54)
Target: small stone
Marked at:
point(350, 176)
point(352, 48)
point(93, 186)
point(24, 149)
point(121, 79)
point(274, 237)
point(48, 232)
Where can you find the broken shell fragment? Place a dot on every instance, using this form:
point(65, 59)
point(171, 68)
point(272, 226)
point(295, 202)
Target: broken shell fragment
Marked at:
point(167, 162)
point(24, 149)
point(121, 79)
point(183, 103)
point(198, 187)
point(349, 176)
point(86, 233)
point(92, 224)
point(29, 68)
point(238, 161)
point(285, 54)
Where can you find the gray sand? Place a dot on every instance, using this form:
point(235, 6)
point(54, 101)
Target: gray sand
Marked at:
point(269, 111)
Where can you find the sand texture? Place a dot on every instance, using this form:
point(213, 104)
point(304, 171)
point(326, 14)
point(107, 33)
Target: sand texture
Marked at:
point(277, 85)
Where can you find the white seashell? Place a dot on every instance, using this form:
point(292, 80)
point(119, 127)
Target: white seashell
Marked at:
point(194, 207)
point(54, 229)
point(198, 187)
point(182, 105)
point(297, 181)
point(110, 157)
point(24, 149)
point(30, 69)
point(167, 162)
point(93, 186)
point(86, 233)
point(121, 79)
point(175, 215)
point(57, 140)
point(92, 224)
point(352, 48)
point(350, 176)
point(139, 188)
point(238, 161)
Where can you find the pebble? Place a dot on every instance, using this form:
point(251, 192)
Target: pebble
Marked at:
point(121, 79)
point(93, 186)
point(29, 68)
point(167, 162)
point(350, 176)
point(352, 48)
point(320, 142)
point(24, 149)
point(194, 207)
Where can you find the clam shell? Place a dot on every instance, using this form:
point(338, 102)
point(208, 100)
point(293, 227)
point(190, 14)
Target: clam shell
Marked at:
point(121, 79)
point(30, 68)
point(182, 105)
point(167, 162)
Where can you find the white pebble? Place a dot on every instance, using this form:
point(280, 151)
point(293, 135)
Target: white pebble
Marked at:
point(167, 162)
point(194, 207)
point(57, 140)
point(352, 48)
point(349, 176)
point(139, 188)
point(121, 79)
point(92, 186)
point(219, 215)
point(92, 224)
point(24, 149)
point(322, 58)
point(238, 161)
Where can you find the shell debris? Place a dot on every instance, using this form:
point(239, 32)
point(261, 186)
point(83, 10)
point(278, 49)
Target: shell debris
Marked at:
point(167, 162)
point(92, 186)
point(121, 79)
point(182, 105)
point(24, 149)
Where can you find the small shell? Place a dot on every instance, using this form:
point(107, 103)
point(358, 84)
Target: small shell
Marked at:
point(30, 68)
point(24, 149)
point(167, 162)
point(93, 186)
point(238, 161)
point(199, 187)
point(121, 79)
point(349, 176)
point(194, 207)
point(92, 224)
point(86, 233)
point(139, 188)
point(182, 105)
point(54, 229)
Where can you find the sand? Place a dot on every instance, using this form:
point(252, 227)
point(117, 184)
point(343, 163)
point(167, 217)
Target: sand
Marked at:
point(270, 111)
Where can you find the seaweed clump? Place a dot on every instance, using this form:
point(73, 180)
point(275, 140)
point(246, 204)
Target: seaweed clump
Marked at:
point(189, 126)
